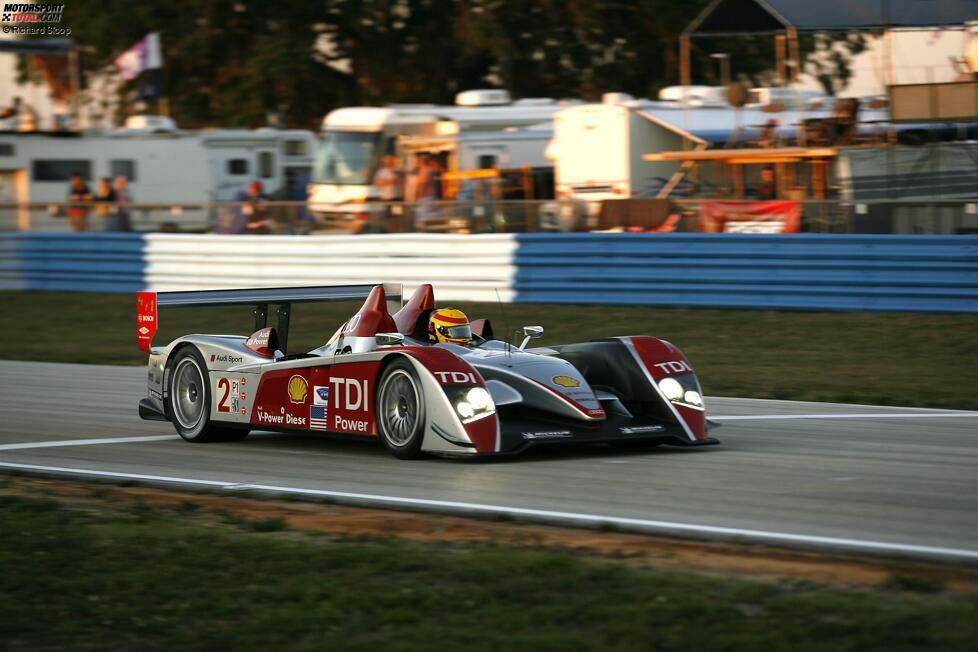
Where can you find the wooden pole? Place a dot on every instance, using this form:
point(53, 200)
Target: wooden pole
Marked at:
point(794, 57)
point(685, 73)
point(779, 59)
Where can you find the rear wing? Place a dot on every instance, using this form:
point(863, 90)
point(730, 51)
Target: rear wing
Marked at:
point(148, 304)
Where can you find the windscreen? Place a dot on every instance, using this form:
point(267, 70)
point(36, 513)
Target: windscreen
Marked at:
point(346, 157)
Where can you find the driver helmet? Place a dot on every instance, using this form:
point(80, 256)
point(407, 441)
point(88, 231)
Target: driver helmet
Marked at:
point(449, 325)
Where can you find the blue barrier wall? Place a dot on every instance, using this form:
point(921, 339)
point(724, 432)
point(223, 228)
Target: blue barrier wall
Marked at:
point(85, 262)
point(812, 272)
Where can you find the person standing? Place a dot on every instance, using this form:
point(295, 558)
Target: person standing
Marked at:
point(103, 196)
point(255, 209)
point(119, 218)
point(387, 180)
point(427, 188)
point(78, 191)
point(768, 188)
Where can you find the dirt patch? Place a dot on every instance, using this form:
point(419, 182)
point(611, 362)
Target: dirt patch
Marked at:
point(709, 557)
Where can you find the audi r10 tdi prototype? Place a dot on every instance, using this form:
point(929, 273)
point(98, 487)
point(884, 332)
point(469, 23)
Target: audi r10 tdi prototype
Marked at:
point(388, 376)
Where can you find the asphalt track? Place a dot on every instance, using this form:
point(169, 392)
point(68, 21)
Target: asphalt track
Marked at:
point(881, 480)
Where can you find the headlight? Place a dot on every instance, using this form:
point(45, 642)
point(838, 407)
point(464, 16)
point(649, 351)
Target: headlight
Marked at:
point(474, 404)
point(671, 388)
point(682, 389)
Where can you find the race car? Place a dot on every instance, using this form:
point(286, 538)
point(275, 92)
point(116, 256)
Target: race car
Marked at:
point(422, 380)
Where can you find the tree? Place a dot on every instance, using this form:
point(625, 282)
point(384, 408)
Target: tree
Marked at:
point(577, 48)
point(236, 63)
point(225, 63)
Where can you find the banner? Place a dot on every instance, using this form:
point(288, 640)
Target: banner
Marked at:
point(750, 216)
point(144, 55)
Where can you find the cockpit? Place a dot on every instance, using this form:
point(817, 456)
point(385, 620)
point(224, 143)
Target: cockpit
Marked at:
point(373, 326)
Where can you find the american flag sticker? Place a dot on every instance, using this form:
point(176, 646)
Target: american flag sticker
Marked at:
point(317, 417)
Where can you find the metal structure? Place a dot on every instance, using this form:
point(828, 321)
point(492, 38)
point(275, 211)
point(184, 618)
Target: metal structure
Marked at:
point(784, 19)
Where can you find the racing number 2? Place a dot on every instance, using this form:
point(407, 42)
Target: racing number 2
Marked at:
point(224, 385)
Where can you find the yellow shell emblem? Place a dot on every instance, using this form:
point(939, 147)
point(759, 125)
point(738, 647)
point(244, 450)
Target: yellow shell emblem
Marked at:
point(298, 388)
point(566, 381)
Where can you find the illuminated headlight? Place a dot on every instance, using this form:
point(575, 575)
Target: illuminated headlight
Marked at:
point(474, 404)
point(672, 389)
point(682, 389)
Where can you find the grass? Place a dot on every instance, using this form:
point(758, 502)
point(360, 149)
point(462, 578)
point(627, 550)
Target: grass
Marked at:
point(111, 581)
point(879, 358)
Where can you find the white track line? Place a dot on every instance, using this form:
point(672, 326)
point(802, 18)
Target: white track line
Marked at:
point(739, 417)
point(561, 518)
point(854, 415)
point(85, 442)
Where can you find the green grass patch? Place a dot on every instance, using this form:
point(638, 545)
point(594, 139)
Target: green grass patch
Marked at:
point(269, 524)
point(878, 358)
point(105, 581)
point(915, 583)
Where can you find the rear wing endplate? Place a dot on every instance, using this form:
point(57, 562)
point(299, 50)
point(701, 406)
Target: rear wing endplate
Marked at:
point(149, 303)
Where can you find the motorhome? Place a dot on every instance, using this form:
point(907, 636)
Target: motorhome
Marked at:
point(164, 165)
point(599, 150)
point(355, 139)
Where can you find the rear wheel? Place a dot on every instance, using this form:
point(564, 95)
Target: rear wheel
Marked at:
point(189, 401)
point(400, 411)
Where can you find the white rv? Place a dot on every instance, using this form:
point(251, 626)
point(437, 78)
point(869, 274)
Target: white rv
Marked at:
point(163, 164)
point(598, 149)
point(356, 138)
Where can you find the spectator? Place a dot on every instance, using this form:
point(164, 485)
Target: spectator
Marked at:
point(389, 189)
point(427, 187)
point(429, 179)
point(104, 195)
point(119, 218)
point(387, 180)
point(769, 134)
point(78, 191)
point(767, 190)
point(255, 211)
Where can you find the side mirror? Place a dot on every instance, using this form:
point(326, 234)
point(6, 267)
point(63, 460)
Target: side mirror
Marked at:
point(389, 339)
point(531, 333)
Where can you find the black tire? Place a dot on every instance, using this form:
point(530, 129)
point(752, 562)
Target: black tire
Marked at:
point(189, 401)
point(400, 411)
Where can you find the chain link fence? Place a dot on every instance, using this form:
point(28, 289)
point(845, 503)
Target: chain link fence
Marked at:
point(944, 216)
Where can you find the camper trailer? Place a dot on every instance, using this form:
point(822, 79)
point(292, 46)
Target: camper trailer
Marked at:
point(163, 164)
point(599, 150)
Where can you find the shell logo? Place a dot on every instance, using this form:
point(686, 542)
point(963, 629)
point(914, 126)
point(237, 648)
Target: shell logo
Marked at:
point(298, 388)
point(566, 381)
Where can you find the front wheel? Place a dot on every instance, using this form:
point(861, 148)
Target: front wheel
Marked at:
point(400, 411)
point(189, 401)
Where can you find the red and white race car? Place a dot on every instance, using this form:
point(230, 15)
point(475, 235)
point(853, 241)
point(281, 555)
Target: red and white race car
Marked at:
point(380, 376)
